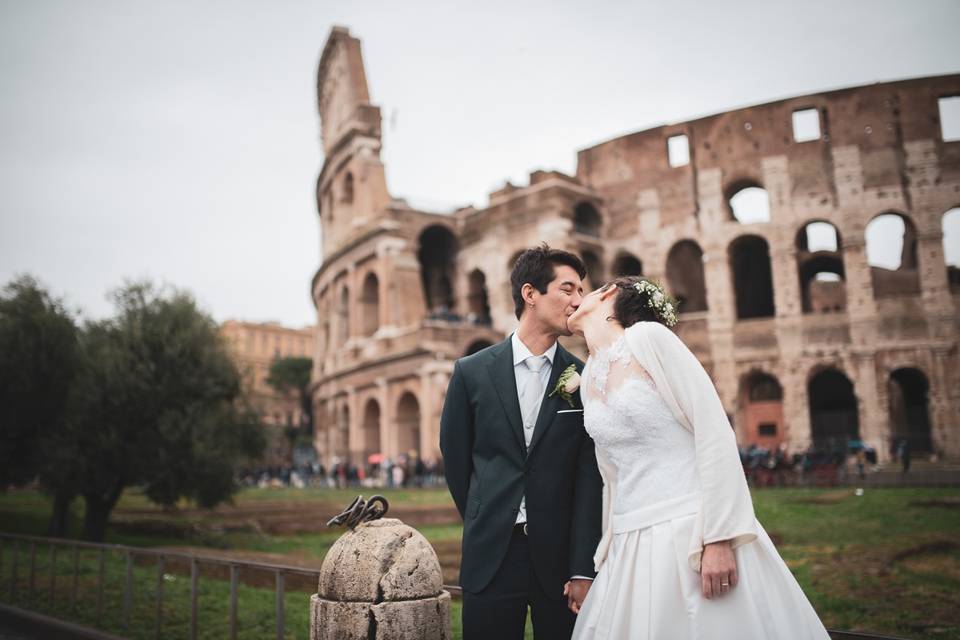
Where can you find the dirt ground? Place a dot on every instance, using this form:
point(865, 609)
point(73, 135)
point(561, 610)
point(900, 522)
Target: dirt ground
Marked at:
point(281, 518)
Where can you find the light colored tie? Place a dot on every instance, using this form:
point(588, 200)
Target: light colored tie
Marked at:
point(529, 408)
point(532, 395)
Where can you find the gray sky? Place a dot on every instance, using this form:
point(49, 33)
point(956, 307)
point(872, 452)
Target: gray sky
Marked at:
point(180, 141)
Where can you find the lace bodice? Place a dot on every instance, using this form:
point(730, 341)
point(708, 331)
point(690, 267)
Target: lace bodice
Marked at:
point(635, 431)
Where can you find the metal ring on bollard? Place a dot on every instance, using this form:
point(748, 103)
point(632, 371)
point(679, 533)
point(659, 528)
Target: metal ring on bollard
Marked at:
point(361, 511)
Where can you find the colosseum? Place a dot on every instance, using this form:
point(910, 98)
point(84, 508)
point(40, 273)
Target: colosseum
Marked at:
point(760, 221)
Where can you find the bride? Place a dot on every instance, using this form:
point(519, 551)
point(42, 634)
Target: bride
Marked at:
point(682, 555)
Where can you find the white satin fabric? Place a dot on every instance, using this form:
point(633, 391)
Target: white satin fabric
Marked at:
point(647, 590)
point(658, 511)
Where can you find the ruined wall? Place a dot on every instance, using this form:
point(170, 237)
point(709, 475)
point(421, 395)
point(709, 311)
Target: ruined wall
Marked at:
point(879, 150)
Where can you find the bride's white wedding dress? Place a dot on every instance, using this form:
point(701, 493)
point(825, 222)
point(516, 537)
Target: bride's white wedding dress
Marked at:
point(646, 586)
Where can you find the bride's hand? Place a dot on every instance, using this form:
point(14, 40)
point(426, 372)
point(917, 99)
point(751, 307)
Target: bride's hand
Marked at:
point(718, 569)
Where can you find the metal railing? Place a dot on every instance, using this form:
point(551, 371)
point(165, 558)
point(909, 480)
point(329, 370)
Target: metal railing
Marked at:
point(55, 545)
point(280, 572)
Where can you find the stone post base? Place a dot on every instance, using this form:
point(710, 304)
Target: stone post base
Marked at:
point(421, 619)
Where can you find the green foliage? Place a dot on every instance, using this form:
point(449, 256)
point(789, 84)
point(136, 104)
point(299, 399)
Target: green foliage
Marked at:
point(150, 397)
point(159, 408)
point(292, 375)
point(38, 362)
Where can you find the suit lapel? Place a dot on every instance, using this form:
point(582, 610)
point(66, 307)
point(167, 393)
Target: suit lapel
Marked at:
point(550, 404)
point(505, 383)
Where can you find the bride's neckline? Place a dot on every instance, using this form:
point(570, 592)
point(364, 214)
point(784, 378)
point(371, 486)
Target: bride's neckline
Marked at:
point(608, 347)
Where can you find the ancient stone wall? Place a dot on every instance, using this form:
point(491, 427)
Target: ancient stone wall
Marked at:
point(760, 220)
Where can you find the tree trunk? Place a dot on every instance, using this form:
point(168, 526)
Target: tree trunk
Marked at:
point(97, 514)
point(59, 519)
point(306, 407)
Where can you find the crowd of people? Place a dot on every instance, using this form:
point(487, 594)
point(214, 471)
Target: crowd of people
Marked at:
point(762, 466)
point(406, 471)
point(817, 465)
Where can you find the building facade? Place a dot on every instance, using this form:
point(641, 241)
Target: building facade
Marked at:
point(762, 221)
point(254, 347)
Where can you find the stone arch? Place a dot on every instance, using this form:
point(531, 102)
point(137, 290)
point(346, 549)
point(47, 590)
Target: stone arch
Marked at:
point(752, 277)
point(834, 416)
point(587, 220)
point(748, 202)
point(820, 268)
point(951, 247)
point(685, 276)
point(370, 304)
point(627, 264)
point(437, 254)
point(372, 442)
point(478, 300)
point(891, 246)
point(761, 399)
point(476, 346)
point(908, 391)
point(594, 265)
point(408, 424)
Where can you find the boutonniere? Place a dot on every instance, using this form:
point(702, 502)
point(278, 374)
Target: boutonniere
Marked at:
point(567, 384)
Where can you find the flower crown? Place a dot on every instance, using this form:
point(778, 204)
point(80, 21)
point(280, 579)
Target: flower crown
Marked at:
point(664, 306)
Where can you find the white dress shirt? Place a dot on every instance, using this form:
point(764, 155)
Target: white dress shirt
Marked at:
point(523, 376)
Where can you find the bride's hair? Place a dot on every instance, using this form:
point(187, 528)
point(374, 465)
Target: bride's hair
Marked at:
point(634, 302)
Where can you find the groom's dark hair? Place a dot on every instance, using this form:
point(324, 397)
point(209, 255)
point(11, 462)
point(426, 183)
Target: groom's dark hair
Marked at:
point(537, 267)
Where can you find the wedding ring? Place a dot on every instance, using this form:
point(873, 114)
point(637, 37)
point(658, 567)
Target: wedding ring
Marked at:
point(724, 584)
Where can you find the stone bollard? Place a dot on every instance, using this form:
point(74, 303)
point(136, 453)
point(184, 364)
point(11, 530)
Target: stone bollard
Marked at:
point(380, 581)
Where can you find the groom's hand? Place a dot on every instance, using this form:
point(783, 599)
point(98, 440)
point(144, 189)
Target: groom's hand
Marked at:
point(576, 591)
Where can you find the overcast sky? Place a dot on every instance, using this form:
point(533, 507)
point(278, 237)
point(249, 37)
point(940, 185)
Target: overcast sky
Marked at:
point(179, 141)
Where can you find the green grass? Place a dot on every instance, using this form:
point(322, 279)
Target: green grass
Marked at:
point(882, 562)
point(255, 606)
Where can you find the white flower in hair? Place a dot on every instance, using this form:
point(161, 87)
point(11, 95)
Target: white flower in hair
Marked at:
point(663, 305)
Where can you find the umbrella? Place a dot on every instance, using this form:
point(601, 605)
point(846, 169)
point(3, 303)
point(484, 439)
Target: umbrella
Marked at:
point(375, 458)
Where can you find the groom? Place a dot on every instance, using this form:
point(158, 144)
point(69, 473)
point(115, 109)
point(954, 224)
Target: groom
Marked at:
point(520, 466)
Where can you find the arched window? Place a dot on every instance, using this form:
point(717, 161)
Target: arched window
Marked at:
point(752, 277)
point(408, 424)
point(437, 255)
point(891, 240)
point(951, 247)
point(908, 390)
point(834, 420)
point(627, 264)
point(764, 388)
point(476, 346)
point(685, 276)
point(586, 220)
point(748, 203)
point(594, 269)
point(761, 414)
point(370, 304)
point(478, 301)
point(820, 267)
point(371, 429)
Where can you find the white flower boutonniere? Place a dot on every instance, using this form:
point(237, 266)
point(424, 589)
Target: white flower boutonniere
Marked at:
point(567, 384)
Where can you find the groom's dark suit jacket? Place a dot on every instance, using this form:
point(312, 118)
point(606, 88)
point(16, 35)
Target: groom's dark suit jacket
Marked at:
point(489, 468)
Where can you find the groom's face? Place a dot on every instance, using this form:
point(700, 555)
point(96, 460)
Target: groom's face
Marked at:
point(562, 298)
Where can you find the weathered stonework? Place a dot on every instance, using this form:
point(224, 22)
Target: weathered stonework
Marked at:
point(797, 359)
point(380, 581)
